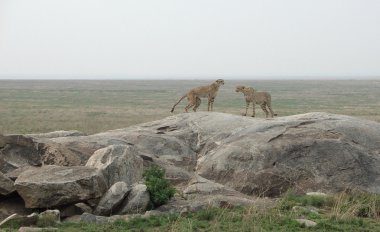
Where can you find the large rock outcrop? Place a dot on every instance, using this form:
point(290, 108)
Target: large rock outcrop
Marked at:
point(228, 157)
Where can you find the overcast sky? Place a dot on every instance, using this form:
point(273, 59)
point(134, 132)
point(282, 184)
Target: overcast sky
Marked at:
point(189, 39)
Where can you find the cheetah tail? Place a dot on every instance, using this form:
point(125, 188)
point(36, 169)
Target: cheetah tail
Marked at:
point(178, 103)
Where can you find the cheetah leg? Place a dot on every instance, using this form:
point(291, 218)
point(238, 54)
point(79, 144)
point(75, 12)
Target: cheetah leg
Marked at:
point(263, 107)
point(246, 108)
point(197, 104)
point(253, 109)
point(270, 109)
point(192, 102)
point(210, 103)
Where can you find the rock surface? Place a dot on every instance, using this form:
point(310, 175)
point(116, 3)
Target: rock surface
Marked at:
point(50, 217)
point(6, 185)
point(212, 158)
point(94, 219)
point(112, 199)
point(57, 134)
point(311, 152)
point(51, 185)
point(118, 163)
point(13, 205)
point(137, 200)
point(17, 151)
point(76, 209)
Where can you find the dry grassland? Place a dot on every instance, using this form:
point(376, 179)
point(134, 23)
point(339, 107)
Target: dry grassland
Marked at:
point(98, 105)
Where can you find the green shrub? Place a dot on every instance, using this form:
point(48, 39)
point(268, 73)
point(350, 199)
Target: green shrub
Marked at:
point(160, 189)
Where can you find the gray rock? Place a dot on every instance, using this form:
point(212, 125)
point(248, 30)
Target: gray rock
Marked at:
point(58, 154)
point(50, 217)
point(314, 151)
point(79, 147)
point(137, 200)
point(90, 218)
point(118, 163)
point(57, 134)
point(306, 222)
point(112, 199)
point(6, 185)
point(310, 152)
point(17, 151)
point(176, 175)
point(83, 207)
point(200, 185)
point(16, 172)
point(51, 185)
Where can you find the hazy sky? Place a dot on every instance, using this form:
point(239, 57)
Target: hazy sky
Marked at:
point(194, 39)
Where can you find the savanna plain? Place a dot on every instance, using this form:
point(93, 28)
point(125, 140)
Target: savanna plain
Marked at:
point(91, 106)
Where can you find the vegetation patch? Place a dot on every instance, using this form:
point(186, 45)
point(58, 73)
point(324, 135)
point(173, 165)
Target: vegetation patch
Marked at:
point(334, 214)
point(159, 188)
point(291, 199)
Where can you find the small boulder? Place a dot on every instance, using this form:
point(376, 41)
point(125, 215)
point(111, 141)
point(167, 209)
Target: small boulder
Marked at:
point(118, 163)
point(83, 207)
point(6, 185)
point(137, 200)
point(306, 222)
point(17, 151)
point(112, 199)
point(316, 194)
point(51, 185)
point(90, 218)
point(49, 218)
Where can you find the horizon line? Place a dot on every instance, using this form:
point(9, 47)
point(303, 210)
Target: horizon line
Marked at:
point(188, 77)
